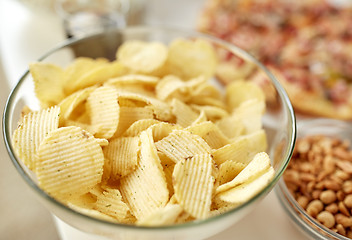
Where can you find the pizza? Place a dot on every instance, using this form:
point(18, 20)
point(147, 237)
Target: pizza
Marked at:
point(306, 44)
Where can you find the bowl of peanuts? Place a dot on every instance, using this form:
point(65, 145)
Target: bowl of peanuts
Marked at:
point(316, 188)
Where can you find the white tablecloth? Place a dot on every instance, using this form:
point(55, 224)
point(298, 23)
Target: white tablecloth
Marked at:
point(26, 35)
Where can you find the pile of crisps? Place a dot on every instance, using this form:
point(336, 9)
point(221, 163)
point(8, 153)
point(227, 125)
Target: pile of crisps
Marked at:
point(145, 139)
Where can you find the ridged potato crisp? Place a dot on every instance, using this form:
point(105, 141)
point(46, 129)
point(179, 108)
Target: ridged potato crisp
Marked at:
point(146, 139)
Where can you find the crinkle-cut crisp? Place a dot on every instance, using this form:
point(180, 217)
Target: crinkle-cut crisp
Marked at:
point(163, 216)
point(221, 207)
point(201, 118)
point(250, 114)
point(231, 126)
point(93, 129)
point(210, 133)
point(133, 79)
point(256, 167)
point(161, 109)
point(48, 83)
point(142, 57)
point(92, 213)
point(193, 184)
point(213, 113)
point(86, 200)
point(110, 203)
point(129, 115)
point(78, 68)
point(104, 111)
point(181, 144)
point(70, 103)
point(168, 167)
point(146, 139)
point(247, 190)
point(102, 141)
point(138, 126)
point(207, 101)
point(198, 55)
point(98, 74)
point(31, 131)
point(170, 87)
point(229, 170)
point(69, 163)
point(242, 149)
point(145, 189)
point(163, 129)
point(121, 156)
point(184, 114)
point(238, 92)
point(205, 89)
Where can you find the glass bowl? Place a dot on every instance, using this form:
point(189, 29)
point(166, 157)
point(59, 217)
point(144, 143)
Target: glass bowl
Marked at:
point(301, 219)
point(279, 123)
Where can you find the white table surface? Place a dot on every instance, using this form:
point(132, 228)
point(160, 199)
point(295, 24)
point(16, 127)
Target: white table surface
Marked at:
point(27, 34)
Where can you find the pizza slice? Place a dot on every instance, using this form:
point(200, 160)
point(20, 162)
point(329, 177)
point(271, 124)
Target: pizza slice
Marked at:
point(306, 44)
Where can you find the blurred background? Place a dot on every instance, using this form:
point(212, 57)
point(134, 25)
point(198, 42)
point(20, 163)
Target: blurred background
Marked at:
point(28, 29)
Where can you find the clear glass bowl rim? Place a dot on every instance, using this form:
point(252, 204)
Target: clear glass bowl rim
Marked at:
point(238, 51)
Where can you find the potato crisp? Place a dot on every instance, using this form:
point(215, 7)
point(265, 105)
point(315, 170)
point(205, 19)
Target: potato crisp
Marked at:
point(146, 139)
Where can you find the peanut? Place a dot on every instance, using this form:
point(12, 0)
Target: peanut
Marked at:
point(345, 165)
point(341, 153)
point(333, 208)
point(320, 177)
point(340, 195)
point(306, 167)
point(348, 201)
point(315, 207)
point(346, 144)
point(329, 164)
point(329, 184)
point(291, 176)
point(340, 229)
point(328, 196)
point(336, 179)
point(343, 220)
point(303, 146)
point(343, 209)
point(347, 187)
point(303, 201)
point(326, 144)
point(342, 175)
point(310, 186)
point(316, 194)
point(320, 185)
point(326, 218)
point(307, 177)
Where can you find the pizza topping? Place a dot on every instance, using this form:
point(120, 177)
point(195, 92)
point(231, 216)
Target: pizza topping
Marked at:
point(305, 41)
point(340, 92)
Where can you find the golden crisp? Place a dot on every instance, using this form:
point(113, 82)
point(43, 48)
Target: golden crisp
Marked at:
point(147, 139)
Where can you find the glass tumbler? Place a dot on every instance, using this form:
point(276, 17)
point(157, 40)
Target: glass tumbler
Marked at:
point(82, 17)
